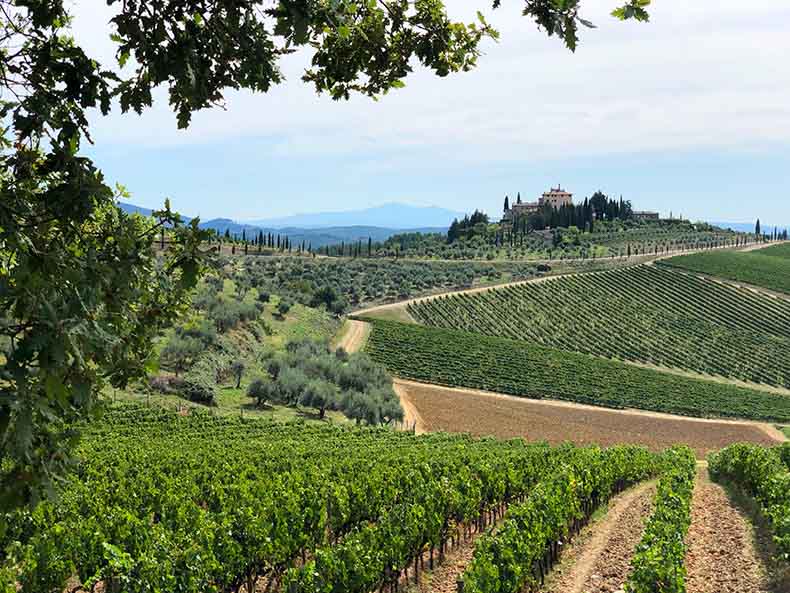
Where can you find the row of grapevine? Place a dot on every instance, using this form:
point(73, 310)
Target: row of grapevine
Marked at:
point(764, 474)
point(521, 551)
point(646, 314)
point(659, 562)
point(769, 267)
point(160, 502)
point(375, 554)
point(516, 367)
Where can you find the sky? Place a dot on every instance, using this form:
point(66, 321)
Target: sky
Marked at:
point(689, 113)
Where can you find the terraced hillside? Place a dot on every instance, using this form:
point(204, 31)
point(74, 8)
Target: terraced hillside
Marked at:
point(645, 314)
point(768, 267)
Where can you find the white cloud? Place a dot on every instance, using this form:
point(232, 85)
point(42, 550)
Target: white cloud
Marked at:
point(697, 76)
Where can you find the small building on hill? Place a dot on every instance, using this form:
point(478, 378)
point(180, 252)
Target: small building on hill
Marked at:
point(645, 215)
point(555, 197)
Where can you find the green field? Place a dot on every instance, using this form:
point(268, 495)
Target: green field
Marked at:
point(644, 314)
point(767, 268)
point(161, 502)
point(462, 359)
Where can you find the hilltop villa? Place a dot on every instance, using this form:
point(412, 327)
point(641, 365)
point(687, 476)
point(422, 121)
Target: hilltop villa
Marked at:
point(555, 197)
point(643, 215)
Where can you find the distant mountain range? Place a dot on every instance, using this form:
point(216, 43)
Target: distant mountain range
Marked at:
point(748, 227)
point(320, 236)
point(388, 216)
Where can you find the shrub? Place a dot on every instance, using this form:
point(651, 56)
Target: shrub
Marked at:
point(283, 307)
point(180, 353)
point(166, 384)
point(319, 395)
point(200, 388)
point(261, 390)
point(291, 382)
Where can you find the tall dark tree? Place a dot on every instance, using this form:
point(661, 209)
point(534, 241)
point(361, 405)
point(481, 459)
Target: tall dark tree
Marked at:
point(507, 203)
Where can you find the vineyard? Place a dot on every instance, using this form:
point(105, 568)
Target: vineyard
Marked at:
point(163, 502)
point(646, 314)
point(514, 557)
point(763, 474)
point(768, 268)
point(517, 367)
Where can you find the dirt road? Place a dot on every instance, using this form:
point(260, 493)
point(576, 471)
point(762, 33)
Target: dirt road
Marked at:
point(353, 335)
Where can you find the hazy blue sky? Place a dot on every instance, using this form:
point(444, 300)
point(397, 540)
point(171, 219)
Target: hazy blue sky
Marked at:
point(689, 113)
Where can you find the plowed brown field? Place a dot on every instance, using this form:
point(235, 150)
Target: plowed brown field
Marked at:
point(459, 410)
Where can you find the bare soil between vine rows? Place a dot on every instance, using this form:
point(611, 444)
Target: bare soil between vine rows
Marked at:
point(725, 553)
point(599, 559)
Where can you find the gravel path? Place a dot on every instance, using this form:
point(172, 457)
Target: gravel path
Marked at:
point(722, 556)
point(599, 560)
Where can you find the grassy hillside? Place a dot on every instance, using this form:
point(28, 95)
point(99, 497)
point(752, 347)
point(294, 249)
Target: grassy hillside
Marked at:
point(768, 268)
point(241, 350)
point(462, 359)
point(644, 314)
